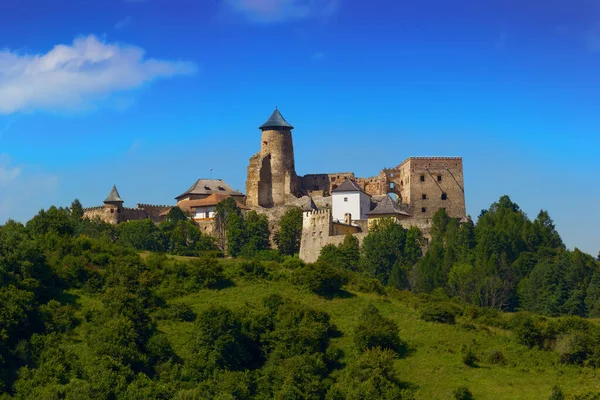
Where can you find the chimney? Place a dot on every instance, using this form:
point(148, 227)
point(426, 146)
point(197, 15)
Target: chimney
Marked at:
point(348, 218)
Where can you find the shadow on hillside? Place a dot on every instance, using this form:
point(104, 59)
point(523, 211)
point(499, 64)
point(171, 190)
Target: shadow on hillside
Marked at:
point(67, 299)
point(339, 294)
point(223, 284)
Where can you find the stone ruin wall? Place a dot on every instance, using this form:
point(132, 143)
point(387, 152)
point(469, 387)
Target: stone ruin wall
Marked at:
point(272, 175)
point(109, 214)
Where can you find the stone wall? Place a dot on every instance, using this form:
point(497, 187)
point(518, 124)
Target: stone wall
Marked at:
point(108, 213)
point(271, 172)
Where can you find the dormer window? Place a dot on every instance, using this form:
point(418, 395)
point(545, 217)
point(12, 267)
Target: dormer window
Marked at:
point(221, 188)
point(206, 188)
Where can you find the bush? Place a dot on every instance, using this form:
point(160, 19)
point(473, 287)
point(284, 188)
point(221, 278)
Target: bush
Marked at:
point(364, 284)
point(573, 348)
point(268, 255)
point(293, 263)
point(373, 330)
point(468, 356)
point(320, 278)
point(462, 393)
point(526, 331)
point(253, 270)
point(370, 376)
point(496, 357)
point(439, 313)
point(557, 393)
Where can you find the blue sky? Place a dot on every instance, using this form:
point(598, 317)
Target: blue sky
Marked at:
point(149, 95)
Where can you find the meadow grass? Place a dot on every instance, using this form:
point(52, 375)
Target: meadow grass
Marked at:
point(433, 364)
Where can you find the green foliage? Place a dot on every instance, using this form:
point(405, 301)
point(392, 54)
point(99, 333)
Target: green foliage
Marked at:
point(386, 244)
point(290, 232)
point(438, 313)
point(468, 356)
point(370, 376)
point(496, 357)
point(320, 278)
point(526, 331)
point(375, 331)
point(557, 393)
point(462, 393)
point(141, 235)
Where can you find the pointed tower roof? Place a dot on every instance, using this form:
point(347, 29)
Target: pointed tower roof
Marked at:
point(113, 196)
point(310, 205)
point(349, 185)
point(276, 121)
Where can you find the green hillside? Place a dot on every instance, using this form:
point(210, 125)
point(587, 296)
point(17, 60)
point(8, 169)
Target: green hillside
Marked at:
point(433, 366)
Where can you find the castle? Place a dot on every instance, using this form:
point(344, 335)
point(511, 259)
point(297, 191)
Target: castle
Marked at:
point(410, 193)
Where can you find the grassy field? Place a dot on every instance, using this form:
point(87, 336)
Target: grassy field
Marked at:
point(433, 364)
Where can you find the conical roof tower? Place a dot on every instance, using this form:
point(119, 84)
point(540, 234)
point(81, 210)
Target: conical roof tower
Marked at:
point(114, 197)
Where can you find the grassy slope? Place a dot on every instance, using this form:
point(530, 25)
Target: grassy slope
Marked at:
point(433, 364)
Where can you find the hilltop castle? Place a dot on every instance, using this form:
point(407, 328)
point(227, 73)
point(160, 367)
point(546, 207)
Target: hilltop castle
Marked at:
point(410, 193)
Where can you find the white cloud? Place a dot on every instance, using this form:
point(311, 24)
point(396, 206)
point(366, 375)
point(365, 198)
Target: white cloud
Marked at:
point(123, 23)
point(283, 10)
point(69, 78)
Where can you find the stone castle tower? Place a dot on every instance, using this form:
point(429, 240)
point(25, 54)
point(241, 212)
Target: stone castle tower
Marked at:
point(271, 173)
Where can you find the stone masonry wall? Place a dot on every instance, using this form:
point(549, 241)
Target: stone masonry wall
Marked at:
point(272, 175)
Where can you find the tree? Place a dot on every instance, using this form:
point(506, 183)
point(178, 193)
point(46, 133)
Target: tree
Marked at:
point(257, 235)
point(290, 232)
point(142, 235)
point(175, 215)
point(230, 228)
point(386, 244)
point(76, 210)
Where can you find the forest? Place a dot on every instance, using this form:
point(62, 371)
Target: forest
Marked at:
point(158, 311)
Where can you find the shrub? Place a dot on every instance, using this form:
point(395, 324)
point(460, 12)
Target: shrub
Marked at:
point(468, 356)
point(573, 348)
point(496, 357)
point(293, 263)
point(557, 393)
point(205, 272)
point(462, 393)
point(253, 270)
point(370, 376)
point(439, 313)
point(364, 284)
point(320, 278)
point(374, 330)
point(526, 331)
point(268, 255)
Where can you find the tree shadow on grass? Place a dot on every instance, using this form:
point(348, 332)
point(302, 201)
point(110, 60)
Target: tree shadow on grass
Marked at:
point(223, 284)
point(339, 294)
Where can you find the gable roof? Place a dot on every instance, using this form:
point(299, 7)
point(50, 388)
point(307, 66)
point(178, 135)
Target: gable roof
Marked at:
point(348, 185)
point(310, 205)
point(212, 200)
point(387, 206)
point(210, 186)
point(113, 196)
point(276, 120)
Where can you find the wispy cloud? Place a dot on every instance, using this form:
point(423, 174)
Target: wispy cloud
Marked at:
point(73, 77)
point(123, 23)
point(264, 11)
point(8, 173)
point(20, 187)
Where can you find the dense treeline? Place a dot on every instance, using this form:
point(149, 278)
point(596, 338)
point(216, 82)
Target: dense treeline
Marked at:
point(54, 347)
point(80, 306)
point(505, 261)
